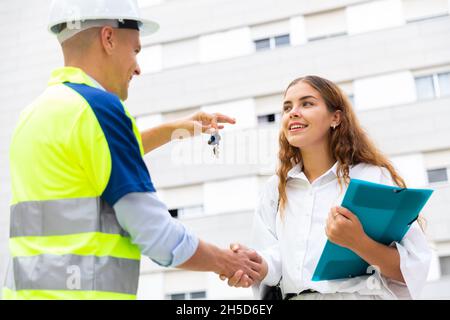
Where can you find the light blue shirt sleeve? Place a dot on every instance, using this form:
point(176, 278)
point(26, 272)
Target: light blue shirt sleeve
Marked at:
point(162, 238)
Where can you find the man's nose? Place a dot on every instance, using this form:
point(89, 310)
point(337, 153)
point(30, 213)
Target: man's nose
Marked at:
point(137, 71)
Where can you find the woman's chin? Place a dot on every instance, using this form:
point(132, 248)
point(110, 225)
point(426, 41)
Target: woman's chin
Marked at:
point(297, 142)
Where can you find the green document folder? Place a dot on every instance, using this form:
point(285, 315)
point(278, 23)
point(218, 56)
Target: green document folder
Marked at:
point(386, 214)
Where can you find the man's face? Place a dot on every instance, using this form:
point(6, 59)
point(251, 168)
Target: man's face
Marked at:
point(125, 60)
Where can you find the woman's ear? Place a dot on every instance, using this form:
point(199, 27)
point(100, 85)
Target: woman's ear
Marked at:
point(336, 118)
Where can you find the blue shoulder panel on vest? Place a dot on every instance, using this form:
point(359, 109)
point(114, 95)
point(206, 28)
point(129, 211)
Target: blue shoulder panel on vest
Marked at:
point(128, 170)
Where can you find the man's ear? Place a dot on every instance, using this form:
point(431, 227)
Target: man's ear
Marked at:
point(108, 39)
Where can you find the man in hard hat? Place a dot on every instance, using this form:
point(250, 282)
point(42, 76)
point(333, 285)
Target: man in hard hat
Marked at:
point(84, 207)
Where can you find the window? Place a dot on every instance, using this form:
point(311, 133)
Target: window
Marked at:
point(268, 108)
point(269, 118)
point(444, 84)
point(283, 40)
point(187, 211)
point(198, 295)
point(445, 265)
point(271, 35)
point(173, 213)
point(437, 175)
point(262, 44)
point(177, 296)
point(272, 43)
point(433, 86)
point(425, 88)
point(187, 296)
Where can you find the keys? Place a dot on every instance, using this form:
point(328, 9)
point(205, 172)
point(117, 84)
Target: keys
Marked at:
point(214, 142)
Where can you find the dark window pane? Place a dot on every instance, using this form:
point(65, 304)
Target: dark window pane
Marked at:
point(178, 296)
point(173, 212)
point(263, 44)
point(445, 265)
point(425, 87)
point(437, 175)
point(267, 118)
point(283, 40)
point(444, 83)
point(198, 295)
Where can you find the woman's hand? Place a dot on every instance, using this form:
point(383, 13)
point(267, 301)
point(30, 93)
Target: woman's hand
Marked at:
point(202, 122)
point(240, 279)
point(344, 228)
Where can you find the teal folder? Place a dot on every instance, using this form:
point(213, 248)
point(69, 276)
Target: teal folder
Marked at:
point(386, 214)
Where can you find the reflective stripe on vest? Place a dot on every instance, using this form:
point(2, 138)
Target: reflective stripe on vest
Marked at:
point(72, 272)
point(72, 246)
point(62, 217)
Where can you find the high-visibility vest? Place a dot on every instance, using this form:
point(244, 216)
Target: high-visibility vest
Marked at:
point(74, 153)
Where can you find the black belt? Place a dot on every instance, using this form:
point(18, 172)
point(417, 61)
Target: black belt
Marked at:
point(291, 295)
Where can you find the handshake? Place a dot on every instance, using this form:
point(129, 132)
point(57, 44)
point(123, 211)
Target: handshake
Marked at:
point(243, 268)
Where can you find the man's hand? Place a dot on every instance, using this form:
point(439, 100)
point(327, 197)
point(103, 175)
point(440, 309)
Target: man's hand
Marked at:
point(344, 228)
point(202, 122)
point(241, 279)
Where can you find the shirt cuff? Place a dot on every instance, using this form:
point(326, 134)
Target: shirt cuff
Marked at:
point(272, 277)
point(185, 249)
point(412, 274)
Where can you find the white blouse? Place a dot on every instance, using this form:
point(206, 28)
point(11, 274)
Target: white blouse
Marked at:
point(292, 246)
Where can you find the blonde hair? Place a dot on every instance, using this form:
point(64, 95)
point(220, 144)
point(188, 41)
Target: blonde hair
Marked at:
point(349, 143)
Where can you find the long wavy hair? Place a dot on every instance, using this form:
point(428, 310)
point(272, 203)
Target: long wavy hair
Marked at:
point(349, 143)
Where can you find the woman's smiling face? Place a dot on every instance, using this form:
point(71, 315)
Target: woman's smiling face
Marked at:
point(306, 120)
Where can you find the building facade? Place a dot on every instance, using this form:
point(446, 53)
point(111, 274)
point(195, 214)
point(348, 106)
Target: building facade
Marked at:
point(391, 57)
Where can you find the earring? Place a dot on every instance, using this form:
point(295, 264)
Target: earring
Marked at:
point(334, 126)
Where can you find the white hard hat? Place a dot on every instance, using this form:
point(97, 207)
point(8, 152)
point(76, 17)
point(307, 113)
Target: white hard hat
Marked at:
point(76, 13)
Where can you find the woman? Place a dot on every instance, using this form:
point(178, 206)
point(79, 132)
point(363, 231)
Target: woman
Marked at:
point(322, 146)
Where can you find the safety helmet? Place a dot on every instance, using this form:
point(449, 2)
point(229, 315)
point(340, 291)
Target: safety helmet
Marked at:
point(80, 14)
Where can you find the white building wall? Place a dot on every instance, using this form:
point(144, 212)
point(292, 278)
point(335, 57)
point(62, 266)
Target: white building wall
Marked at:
point(384, 90)
point(241, 195)
point(225, 45)
point(242, 110)
point(367, 16)
point(150, 59)
point(151, 287)
point(411, 167)
point(298, 30)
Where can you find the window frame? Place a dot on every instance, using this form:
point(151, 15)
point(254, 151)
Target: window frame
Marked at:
point(435, 83)
point(447, 173)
